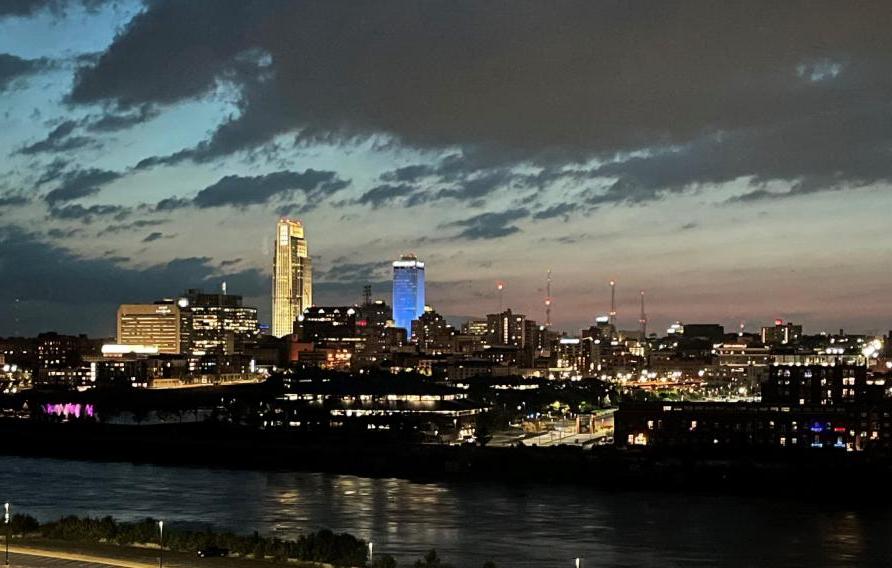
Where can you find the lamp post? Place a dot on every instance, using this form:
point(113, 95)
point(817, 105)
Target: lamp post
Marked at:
point(161, 544)
point(6, 522)
point(371, 551)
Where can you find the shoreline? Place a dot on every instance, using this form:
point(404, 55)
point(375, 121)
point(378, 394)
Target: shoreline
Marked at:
point(605, 468)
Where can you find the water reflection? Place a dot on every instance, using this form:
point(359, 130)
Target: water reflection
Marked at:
point(517, 526)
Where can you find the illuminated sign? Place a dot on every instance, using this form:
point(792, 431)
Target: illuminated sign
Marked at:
point(69, 410)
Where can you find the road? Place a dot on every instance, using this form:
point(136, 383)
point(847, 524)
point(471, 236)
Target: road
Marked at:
point(50, 559)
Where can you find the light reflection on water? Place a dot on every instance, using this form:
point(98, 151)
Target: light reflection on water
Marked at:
point(517, 526)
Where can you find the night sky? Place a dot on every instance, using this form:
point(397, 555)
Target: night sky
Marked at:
point(734, 159)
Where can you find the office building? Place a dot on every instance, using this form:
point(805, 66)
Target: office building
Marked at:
point(781, 334)
point(161, 325)
point(218, 323)
point(506, 329)
point(408, 291)
point(431, 333)
point(292, 277)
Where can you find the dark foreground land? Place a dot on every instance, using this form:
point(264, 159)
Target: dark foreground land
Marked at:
point(215, 445)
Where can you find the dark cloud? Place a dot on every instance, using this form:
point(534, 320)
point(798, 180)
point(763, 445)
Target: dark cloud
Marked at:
point(489, 225)
point(559, 210)
point(55, 280)
point(81, 183)
point(241, 191)
point(53, 171)
point(172, 204)
point(354, 272)
point(59, 139)
point(385, 194)
point(152, 237)
point(24, 8)
point(408, 174)
point(123, 227)
point(57, 233)
point(13, 68)
point(687, 85)
point(87, 215)
point(112, 121)
point(13, 200)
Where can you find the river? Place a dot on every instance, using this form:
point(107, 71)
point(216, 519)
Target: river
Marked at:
point(516, 526)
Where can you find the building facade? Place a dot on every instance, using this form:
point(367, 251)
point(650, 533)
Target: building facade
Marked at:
point(219, 323)
point(408, 291)
point(292, 276)
point(160, 325)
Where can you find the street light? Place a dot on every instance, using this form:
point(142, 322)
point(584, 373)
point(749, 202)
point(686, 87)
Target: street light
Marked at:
point(371, 551)
point(6, 522)
point(579, 563)
point(161, 544)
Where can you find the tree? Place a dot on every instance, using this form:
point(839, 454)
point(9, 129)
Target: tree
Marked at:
point(385, 561)
point(431, 560)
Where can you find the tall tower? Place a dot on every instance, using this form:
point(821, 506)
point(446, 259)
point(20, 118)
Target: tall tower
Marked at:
point(643, 319)
point(612, 318)
point(292, 276)
point(548, 299)
point(408, 291)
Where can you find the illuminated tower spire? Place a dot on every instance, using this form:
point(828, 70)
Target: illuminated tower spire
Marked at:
point(643, 319)
point(548, 299)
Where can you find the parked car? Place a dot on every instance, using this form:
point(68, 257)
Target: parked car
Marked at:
point(212, 552)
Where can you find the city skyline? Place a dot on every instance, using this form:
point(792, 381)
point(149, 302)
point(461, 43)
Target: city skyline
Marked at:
point(741, 187)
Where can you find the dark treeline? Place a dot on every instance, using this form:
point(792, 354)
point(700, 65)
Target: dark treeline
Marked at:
point(323, 546)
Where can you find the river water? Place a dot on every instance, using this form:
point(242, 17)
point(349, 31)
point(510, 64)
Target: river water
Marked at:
point(516, 526)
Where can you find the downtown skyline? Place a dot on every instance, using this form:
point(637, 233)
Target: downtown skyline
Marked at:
point(749, 184)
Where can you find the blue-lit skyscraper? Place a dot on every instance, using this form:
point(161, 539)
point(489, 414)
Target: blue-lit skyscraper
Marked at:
point(408, 291)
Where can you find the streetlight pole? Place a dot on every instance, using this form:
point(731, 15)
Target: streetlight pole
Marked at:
point(6, 522)
point(161, 544)
point(371, 551)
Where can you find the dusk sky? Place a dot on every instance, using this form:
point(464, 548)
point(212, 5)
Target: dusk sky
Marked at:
point(733, 160)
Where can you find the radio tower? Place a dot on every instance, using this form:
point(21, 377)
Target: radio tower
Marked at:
point(548, 299)
point(612, 319)
point(643, 319)
point(500, 286)
point(367, 295)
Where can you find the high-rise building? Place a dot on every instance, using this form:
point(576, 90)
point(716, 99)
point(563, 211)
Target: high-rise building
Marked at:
point(159, 325)
point(292, 276)
point(408, 291)
point(219, 323)
point(431, 332)
point(783, 333)
point(506, 329)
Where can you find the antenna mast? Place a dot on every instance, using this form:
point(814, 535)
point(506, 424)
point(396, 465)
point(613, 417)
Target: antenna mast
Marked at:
point(548, 299)
point(643, 319)
point(612, 319)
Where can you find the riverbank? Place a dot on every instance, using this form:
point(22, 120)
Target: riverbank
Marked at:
point(213, 445)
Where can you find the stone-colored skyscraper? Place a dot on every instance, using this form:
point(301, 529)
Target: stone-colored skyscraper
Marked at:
point(292, 276)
